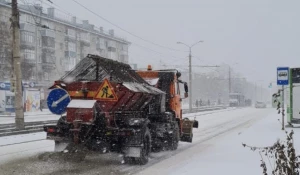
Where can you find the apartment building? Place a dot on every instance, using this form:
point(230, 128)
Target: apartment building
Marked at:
point(52, 43)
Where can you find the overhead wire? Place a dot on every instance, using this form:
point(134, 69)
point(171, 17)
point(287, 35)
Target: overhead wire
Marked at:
point(175, 59)
point(117, 26)
point(133, 43)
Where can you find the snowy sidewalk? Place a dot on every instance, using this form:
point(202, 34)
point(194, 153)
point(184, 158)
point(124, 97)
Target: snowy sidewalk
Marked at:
point(30, 117)
point(44, 112)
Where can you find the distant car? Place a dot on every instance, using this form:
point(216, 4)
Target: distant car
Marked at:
point(260, 105)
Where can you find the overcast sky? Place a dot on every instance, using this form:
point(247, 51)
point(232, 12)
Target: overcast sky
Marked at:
point(254, 36)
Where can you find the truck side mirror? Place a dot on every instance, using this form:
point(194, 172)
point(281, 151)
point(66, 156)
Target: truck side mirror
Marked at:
point(186, 88)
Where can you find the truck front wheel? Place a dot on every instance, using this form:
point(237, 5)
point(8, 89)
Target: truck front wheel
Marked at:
point(174, 139)
point(145, 151)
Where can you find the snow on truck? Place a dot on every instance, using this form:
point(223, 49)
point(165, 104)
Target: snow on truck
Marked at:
point(107, 106)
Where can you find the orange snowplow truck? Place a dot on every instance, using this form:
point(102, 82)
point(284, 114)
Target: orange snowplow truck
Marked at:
point(106, 106)
point(169, 82)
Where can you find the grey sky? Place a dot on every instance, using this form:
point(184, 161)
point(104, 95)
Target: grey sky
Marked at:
point(259, 35)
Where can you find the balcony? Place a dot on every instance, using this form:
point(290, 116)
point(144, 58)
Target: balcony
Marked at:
point(70, 38)
point(85, 43)
point(123, 58)
point(27, 27)
point(100, 46)
point(27, 45)
point(84, 39)
point(112, 44)
point(29, 61)
point(48, 66)
point(48, 44)
point(48, 33)
point(70, 54)
point(124, 52)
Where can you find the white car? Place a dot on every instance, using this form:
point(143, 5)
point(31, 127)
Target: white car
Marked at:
point(260, 105)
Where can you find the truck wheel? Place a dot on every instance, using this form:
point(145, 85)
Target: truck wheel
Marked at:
point(61, 121)
point(143, 159)
point(174, 140)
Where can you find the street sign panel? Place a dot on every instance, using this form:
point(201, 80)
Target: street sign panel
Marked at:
point(282, 76)
point(106, 92)
point(58, 101)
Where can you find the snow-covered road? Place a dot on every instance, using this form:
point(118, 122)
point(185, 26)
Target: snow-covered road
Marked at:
point(212, 127)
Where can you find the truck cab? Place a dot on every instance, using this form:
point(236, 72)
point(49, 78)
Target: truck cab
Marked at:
point(169, 81)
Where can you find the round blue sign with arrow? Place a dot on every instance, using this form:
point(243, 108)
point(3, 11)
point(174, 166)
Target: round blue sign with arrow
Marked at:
point(58, 101)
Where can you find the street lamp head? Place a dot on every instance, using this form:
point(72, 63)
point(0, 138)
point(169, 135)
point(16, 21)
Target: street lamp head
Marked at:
point(179, 42)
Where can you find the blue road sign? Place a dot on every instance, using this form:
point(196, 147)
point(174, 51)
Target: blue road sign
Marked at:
point(58, 101)
point(282, 76)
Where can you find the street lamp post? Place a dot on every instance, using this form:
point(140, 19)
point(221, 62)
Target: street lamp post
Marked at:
point(190, 71)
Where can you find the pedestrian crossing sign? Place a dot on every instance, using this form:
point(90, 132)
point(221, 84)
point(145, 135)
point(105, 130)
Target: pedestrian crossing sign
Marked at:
point(106, 92)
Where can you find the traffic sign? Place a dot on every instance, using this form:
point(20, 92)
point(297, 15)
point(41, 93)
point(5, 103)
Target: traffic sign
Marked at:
point(58, 101)
point(106, 92)
point(282, 76)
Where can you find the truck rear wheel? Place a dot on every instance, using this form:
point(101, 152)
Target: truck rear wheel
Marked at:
point(174, 140)
point(61, 121)
point(145, 151)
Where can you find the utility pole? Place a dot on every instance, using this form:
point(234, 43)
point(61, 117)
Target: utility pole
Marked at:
point(19, 119)
point(190, 81)
point(229, 81)
point(282, 106)
point(255, 97)
point(190, 73)
point(261, 92)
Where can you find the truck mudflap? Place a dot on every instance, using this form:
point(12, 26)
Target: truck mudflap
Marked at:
point(132, 151)
point(187, 129)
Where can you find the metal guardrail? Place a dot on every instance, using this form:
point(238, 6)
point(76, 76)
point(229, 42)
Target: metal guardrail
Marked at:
point(204, 108)
point(32, 127)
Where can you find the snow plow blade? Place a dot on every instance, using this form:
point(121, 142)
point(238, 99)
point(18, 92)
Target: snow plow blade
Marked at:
point(187, 130)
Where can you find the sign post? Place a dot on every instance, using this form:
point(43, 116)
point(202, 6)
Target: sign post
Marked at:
point(282, 79)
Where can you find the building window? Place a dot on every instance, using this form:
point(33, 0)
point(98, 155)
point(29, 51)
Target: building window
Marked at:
point(48, 42)
point(101, 43)
point(30, 19)
point(71, 47)
point(27, 37)
point(71, 33)
point(85, 37)
point(46, 76)
point(112, 49)
point(48, 57)
point(29, 54)
point(124, 47)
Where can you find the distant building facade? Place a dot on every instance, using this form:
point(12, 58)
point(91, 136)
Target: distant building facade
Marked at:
point(52, 45)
